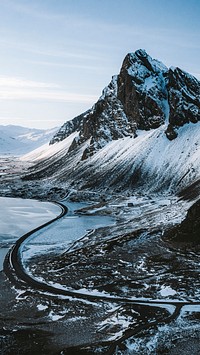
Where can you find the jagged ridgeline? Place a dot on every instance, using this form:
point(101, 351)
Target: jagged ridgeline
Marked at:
point(145, 95)
point(142, 133)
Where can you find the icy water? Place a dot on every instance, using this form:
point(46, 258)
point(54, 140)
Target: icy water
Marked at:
point(3, 252)
point(57, 237)
point(19, 216)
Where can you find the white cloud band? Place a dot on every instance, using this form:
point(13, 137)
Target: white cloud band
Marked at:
point(12, 88)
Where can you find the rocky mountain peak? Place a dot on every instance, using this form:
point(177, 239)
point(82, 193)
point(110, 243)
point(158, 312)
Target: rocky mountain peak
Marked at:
point(140, 58)
point(142, 90)
point(145, 95)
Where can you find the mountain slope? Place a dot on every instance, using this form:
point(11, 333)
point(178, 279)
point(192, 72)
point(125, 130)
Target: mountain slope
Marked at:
point(150, 162)
point(17, 140)
point(144, 95)
point(143, 132)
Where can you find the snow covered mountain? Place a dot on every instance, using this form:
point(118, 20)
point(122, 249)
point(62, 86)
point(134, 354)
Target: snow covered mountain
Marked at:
point(143, 132)
point(17, 140)
point(145, 95)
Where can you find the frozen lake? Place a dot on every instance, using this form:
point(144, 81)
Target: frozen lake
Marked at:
point(57, 237)
point(19, 216)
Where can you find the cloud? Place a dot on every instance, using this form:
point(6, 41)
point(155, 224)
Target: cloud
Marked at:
point(64, 65)
point(31, 9)
point(53, 52)
point(17, 82)
point(14, 88)
point(46, 96)
point(80, 37)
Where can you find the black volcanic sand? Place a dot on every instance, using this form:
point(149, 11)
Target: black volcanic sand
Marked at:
point(138, 264)
point(71, 326)
point(28, 328)
point(67, 325)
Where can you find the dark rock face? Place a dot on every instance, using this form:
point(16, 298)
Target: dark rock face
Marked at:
point(145, 95)
point(184, 100)
point(171, 132)
point(69, 127)
point(189, 230)
point(142, 90)
point(105, 121)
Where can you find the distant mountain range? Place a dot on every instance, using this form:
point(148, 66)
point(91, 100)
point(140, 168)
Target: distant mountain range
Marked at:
point(17, 140)
point(143, 132)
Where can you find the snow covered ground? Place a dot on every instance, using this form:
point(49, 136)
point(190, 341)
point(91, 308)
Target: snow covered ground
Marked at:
point(73, 232)
point(17, 140)
point(45, 151)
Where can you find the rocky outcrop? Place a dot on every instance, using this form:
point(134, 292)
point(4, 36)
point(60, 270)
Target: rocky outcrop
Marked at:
point(104, 122)
point(69, 127)
point(145, 95)
point(184, 100)
point(189, 230)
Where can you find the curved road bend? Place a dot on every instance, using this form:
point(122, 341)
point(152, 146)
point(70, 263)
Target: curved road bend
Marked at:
point(15, 271)
point(12, 265)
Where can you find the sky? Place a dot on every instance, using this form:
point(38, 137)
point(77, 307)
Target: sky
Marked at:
point(56, 56)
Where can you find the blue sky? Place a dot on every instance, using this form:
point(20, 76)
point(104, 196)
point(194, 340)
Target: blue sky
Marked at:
point(58, 55)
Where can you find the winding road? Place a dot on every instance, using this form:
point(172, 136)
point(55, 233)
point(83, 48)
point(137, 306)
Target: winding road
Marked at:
point(14, 269)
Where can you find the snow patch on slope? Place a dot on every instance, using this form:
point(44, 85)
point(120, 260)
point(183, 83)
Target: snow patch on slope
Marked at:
point(17, 140)
point(150, 161)
point(46, 150)
point(159, 161)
